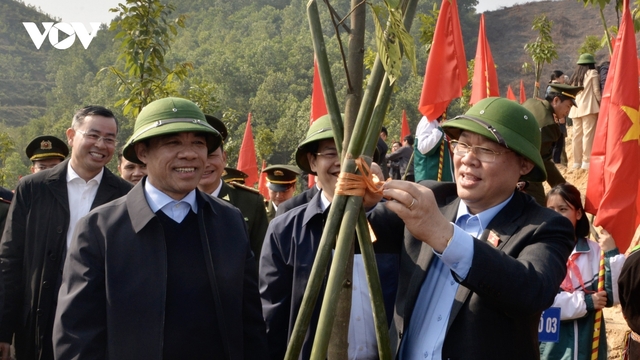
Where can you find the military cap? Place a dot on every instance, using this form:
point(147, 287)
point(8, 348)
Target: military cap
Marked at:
point(508, 124)
point(167, 116)
point(318, 131)
point(564, 91)
point(586, 59)
point(218, 125)
point(46, 147)
point(235, 175)
point(281, 177)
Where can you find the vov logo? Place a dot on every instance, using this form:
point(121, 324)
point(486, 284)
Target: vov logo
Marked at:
point(70, 30)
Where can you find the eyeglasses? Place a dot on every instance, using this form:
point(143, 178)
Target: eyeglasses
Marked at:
point(330, 155)
point(109, 141)
point(483, 154)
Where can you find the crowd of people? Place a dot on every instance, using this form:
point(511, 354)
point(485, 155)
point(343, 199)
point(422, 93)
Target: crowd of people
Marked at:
point(177, 259)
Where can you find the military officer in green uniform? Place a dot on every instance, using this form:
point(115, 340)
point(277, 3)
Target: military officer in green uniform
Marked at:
point(558, 101)
point(45, 152)
point(248, 200)
point(281, 182)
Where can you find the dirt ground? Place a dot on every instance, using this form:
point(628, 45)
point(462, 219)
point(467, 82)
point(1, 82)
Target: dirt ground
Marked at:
point(615, 324)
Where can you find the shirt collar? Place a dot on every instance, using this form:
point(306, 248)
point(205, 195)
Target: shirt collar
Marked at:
point(216, 192)
point(157, 199)
point(324, 202)
point(484, 217)
point(72, 175)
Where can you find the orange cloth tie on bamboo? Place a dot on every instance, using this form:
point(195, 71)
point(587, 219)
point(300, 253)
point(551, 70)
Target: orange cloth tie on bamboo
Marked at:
point(357, 184)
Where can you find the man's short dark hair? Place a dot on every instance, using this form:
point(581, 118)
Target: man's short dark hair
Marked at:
point(78, 117)
point(408, 139)
point(384, 130)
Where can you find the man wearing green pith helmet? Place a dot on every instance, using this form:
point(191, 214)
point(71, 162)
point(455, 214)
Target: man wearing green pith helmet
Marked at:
point(480, 260)
point(165, 272)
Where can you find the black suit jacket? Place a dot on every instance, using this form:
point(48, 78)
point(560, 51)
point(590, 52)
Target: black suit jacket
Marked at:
point(497, 307)
point(113, 294)
point(32, 253)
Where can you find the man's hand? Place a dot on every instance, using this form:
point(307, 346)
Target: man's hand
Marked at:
point(417, 207)
point(5, 350)
point(370, 199)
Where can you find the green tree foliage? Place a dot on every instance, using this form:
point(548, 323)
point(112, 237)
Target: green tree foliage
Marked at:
point(591, 45)
point(542, 50)
point(146, 32)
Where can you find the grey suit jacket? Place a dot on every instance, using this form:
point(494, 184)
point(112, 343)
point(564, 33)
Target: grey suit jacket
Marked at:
point(497, 307)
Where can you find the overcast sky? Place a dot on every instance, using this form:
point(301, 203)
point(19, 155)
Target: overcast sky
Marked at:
point(98, 10)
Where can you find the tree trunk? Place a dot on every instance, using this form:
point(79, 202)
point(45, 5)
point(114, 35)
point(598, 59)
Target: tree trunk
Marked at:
point(338, 345)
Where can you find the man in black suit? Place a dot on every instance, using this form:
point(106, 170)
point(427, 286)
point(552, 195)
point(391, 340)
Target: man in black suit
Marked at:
point(480, 266)
point(40, 226)
point(165, 272)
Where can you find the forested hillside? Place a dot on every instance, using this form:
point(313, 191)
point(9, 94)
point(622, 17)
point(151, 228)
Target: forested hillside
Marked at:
point(248, 56)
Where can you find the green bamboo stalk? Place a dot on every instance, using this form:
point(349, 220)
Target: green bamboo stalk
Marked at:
point(371, 129)
point(324, 70)
point(336, 276)
point(375, 288)
point(339, 202)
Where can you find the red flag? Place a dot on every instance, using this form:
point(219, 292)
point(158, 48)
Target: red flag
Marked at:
point(510, 94)
point(446, 72)
point(485, 77)
point(405, 126)
point(262, 184)
point(318, 105)
point(523, 93)
point(247, 158)
point(614, 174)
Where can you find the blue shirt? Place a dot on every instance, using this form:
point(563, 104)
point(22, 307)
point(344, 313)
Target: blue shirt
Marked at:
point(428, 324)
point(175, 209)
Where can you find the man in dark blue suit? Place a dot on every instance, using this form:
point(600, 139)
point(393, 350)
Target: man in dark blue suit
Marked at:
point(481, 260)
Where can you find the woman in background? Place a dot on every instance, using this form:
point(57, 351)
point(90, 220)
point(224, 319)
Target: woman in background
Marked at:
point(579, 298)
point(585, 113)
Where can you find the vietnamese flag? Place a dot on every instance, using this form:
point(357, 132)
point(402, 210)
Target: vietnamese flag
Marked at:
point(485, 77)
point(446, 71)
point(405, 126)
point(247, 157)
point(510, 94)
point(523, 93)
point(262, 184)
point(614, 173)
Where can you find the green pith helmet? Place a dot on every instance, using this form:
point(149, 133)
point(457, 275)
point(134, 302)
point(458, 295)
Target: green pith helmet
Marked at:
point(585, 59)
point(169, 116)
point(319, 130)
point(507, 123)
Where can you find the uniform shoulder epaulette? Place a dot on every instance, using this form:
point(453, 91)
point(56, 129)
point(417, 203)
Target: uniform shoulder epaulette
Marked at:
point(243, 187)
point(5, 201)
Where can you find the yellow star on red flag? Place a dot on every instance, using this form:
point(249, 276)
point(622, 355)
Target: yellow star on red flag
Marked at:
point(634, 130)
